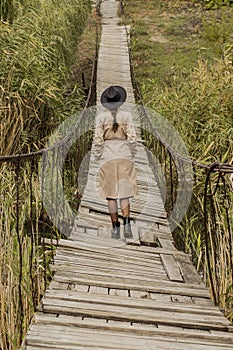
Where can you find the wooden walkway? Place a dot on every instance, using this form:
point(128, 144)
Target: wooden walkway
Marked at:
point(117, 294)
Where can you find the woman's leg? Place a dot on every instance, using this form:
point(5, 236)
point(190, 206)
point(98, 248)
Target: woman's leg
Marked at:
point(113, 210)
point(125, 209)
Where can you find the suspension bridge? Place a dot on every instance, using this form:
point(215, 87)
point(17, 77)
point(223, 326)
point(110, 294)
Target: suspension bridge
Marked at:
point(139, 293)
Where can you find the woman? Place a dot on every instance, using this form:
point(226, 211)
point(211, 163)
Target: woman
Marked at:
point(114, 149)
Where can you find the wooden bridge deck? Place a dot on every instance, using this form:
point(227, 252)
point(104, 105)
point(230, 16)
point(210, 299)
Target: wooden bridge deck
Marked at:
point(113, 294)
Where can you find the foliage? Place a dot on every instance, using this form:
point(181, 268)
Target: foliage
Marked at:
point(200, 106)
point(214, 4)
point(37, 46)
point(39, 87)
point(19, 238)
point(193, 90)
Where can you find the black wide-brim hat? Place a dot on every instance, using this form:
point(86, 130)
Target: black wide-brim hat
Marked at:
point(113, 97)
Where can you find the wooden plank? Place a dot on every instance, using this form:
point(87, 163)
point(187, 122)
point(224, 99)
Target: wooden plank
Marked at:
point(136, 328)
point(85, 338)
point(64, 265)
point(119, 312)
point(154, 251)
point(201, 301)
point(118, 298)
point(188, 270)
point(182, 299)
point(111, 255)
point(78, 287)
point(88, 339)
point(133, 284)
point(125, 262)
point(172, 268)
point(129, 256)
point(162, 298)
point(124, 274)
point(119, 292)
point(167, 244)
point(139, 294)
point(98, 290)
point(123, 251)
point(122, 271)
point(148, 237)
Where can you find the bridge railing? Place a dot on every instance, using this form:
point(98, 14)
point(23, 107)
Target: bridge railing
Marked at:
point(206, 230)
point(40, 194)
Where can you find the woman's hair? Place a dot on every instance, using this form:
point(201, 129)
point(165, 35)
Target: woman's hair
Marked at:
point(115, 124)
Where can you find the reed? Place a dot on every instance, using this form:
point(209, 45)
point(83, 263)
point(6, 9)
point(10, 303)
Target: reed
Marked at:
point(38, 46)
point(195, 95)
point(16, 244)
point(200, 106)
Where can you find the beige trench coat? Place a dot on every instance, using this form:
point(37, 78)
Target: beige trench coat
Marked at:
point(115, 154)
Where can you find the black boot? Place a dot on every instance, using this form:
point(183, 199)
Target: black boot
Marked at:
point(115, 233)
point(127, 228)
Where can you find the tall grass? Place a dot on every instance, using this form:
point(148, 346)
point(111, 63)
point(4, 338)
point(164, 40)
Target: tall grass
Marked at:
point(201, 108)
point(14, 246)
point(196, 96)
point(38, 46)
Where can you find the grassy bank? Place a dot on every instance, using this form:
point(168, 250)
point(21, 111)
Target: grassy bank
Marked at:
point(183, 53)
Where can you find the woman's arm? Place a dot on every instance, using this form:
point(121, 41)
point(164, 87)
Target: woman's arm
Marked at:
point(131, 135)
point(98, 141)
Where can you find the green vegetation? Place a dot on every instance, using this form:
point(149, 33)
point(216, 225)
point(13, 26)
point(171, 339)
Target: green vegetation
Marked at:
point(15, 245)
point(183, 58)
point(45, 46)
point(38, 42)
point(214, 4)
